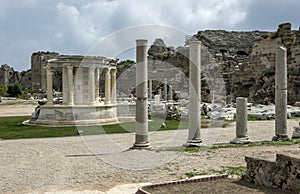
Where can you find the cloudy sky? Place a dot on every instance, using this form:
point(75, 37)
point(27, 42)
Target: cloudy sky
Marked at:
point(79, 26)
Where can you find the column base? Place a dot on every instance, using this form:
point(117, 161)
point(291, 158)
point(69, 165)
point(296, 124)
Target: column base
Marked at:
point(193, 143)
point(296, 133)
point(241, 140)
point(278, 137)
point(139, 146)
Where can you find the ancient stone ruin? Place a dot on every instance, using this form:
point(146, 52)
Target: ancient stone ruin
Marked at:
point(80, 85)
point(283, 173)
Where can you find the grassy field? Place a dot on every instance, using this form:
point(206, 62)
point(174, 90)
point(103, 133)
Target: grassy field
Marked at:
point(12, 128)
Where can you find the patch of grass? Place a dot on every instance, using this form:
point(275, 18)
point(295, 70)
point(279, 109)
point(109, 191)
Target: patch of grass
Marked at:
point(18, 101)
point(237, 171)
point(12, 128)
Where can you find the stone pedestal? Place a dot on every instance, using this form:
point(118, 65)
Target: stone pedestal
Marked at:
point(281, 95)
point(194, 94)
point(141, 114)
point(241, 122)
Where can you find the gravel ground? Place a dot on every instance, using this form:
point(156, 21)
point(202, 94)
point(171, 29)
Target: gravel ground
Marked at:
point(55, 164)
point(99, 163)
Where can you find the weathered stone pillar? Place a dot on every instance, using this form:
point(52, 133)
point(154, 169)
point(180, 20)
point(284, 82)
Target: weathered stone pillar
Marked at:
point(165, 89)
point(194, 94)
point(97, 84)
point(91, 85)
point(170, 92)
point(281, 95)
point(159, 93)
point(107, 86)
point(141, 113)
point(49, 86)
point(150, 89)
point(70, 90)
point(241, 122)
point(65, 85)
point(114, 86)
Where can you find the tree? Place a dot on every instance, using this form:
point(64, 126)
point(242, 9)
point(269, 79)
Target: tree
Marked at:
point(3, 90)
point(126, 63)
point(14, 90)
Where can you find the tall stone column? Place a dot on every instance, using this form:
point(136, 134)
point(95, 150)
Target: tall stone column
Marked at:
point(170, 92)
point(97, 85)
point(194, 94)
point(49, 86)
point(141, 113)
point(241, 122)
point(91, 85)
point(65, 85)
point(150, 89)
point(281, 95)
point(165, 89)
point(107, 86)
point(114, 86)
point(70, 86)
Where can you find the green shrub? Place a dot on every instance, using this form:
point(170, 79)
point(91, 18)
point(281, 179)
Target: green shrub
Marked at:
point(14, 90)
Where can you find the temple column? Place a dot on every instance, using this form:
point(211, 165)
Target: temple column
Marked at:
point(91, 85)
point(141, 111)
point(65, 85)
point(97, 85)
point(70, 90)
point(49, 86)
point(150, 89)
point(165, 89)
point(281, 95)
point(194, 94)
point(107, 86)
point(241, 122)
point(170, 92)
point(114, 86)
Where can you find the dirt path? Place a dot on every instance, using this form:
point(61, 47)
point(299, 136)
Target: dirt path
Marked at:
point(16, 110)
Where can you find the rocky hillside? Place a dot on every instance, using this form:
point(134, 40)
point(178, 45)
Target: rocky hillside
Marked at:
point(9, 76)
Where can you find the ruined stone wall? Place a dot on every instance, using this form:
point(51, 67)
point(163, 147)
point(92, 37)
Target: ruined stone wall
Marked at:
point(38, 71)
point(247, 60)
point(284, 173)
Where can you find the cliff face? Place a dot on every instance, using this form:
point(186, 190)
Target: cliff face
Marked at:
point(9, 76)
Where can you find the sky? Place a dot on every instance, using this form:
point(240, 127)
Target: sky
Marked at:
point(109, 27)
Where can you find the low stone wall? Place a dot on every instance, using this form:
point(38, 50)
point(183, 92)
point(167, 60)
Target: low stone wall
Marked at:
point(284, 173)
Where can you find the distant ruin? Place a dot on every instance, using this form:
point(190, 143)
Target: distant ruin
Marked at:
point(242, 61)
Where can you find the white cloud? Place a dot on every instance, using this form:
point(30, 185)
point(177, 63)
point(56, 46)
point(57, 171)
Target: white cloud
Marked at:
point(74, 26)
